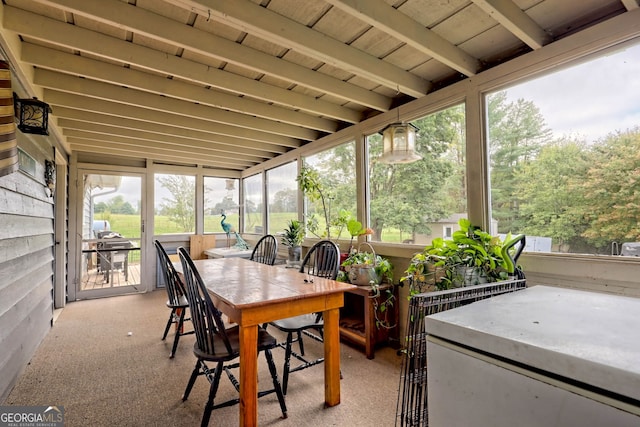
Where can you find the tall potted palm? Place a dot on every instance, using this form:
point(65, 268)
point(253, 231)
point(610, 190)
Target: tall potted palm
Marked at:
point(292, 238)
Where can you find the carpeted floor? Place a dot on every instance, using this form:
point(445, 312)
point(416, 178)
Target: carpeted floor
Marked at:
point(103, 377)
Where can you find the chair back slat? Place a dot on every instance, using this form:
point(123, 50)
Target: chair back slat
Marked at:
point(322, 260)
point(266, 250)
point(206, 318)
point(173, 284)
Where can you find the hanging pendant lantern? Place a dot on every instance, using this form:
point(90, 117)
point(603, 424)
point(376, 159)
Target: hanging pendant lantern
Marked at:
point(230, 186)
point(398, 141)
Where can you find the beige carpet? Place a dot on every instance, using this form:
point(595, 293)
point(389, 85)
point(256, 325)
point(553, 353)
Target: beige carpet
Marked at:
point(103, 377)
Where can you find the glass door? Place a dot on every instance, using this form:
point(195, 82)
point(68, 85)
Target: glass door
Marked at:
point(112, 241)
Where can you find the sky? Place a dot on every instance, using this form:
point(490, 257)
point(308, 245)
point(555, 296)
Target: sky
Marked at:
point(129, 189)
point(589, 100)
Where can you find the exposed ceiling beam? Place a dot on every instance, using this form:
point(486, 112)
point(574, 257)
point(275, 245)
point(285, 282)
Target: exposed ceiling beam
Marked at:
point(176, 142)
point(84, 40)
point(105, 91)
point(57, 98)
point(510, 16)
point(255, 78)
point(254, 19)
point(127, 150)
point(90, 68)
point(395, 23)
point(165, 143)
point(82, 120)
point(138, 20)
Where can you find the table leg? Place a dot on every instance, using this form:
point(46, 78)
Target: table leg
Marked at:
point(248, 375)
point(331, 357)
point(370, 329)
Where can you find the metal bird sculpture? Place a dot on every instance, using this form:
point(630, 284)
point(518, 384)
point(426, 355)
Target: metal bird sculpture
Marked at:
point(228, 229)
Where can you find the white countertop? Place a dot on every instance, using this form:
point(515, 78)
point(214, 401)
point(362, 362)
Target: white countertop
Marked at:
point(228, 253)
point(590, 337)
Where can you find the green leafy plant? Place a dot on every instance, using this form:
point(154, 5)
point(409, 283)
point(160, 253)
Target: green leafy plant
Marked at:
point(472, 256)
point(373, 269)
point(293, 235)
point(381, 266)
point(355, 229)
point(311, 185)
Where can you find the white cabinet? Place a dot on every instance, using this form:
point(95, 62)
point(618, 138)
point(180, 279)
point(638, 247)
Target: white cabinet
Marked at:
point(539, 357)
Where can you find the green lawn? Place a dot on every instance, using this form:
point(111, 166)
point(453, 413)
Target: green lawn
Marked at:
point(129, 225)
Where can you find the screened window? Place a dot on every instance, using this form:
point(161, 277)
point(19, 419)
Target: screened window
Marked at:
point(175, 197)
point(564, 156)
point(416, 202)
point(253, 205)
point(336, 171)
point(221, 195)
point(282, 193)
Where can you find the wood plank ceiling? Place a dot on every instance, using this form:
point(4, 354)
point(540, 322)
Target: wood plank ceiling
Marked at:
point(229, 84)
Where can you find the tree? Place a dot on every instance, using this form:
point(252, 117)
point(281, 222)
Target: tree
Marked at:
point(120, 206)
point(337, 176)
point(517, 132)
point(115, 205)
point(181, 207)
point(612, 189)
point(549, 193)
point(100, 207)
point(285, 201)
point(409, 196)
point(227, 204)
point(328, 181)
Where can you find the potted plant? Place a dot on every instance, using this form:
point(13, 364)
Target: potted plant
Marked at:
point(364, 268)
point(369, 269)
point(355, 229)
point(292, 238)
point(311, 185)
point(471, 257)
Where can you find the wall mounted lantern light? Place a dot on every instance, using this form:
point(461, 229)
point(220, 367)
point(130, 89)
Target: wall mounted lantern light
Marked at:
point(398, 142)
point(32, 115)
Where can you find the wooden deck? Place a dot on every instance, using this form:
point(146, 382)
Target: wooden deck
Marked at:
point(95, 279)
point(110, 264)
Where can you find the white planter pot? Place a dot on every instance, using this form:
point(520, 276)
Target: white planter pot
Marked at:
point(468, 276)
point(362, 275)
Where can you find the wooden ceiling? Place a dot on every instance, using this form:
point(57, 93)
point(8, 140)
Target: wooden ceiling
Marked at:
point(229, 84)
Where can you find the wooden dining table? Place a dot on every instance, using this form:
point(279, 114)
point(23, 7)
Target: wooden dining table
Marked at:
point(252, 294)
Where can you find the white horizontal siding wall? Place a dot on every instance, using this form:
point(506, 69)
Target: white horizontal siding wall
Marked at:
point(26, 269)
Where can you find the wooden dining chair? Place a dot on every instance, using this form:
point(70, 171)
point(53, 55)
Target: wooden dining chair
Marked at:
point(219, 344)
point(322, 260)
point(266, 250)
point(177, 301)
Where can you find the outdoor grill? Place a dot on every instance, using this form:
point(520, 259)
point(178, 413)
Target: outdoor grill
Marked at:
point(113, 255)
